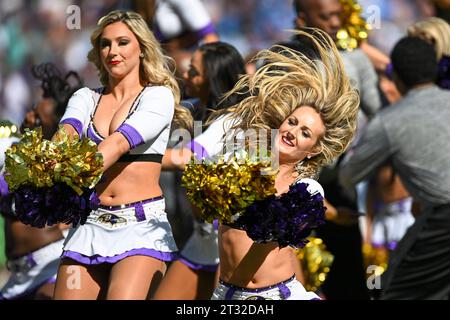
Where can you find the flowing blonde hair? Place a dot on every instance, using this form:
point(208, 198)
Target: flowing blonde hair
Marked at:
point(288, 80)
point(155, 68)
point(435, 31)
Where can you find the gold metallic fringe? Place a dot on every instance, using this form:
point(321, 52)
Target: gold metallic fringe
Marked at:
point(8, 129)
point(376, 257)
point(354, 27)
point(316, 262)
point(42, 163)
point(221, 189)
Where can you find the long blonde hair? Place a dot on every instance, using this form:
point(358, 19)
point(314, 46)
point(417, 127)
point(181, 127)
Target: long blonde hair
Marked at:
point(435, 31)
point(288, 80)
point(155, 67)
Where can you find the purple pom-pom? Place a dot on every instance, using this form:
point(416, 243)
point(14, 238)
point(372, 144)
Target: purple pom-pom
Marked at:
point(288, 219)
point(39, 207)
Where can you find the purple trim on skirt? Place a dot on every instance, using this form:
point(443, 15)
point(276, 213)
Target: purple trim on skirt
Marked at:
point(97, 259)
point(76, 124)
point(197, 266)
point(208, 29)
point(198, 150)
point(285, 292)
point(131, 134)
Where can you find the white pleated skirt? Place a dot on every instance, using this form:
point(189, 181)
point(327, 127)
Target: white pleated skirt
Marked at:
point(111, 234)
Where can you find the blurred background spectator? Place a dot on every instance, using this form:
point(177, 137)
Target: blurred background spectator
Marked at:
point(33, 32)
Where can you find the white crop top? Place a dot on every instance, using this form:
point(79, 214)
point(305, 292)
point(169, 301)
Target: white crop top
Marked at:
point(146, 128)
point(211, 142)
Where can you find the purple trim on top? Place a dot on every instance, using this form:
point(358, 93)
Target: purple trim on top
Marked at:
point(215, 224)
point(198, 150)
point(131, 134)
point(76, 124)
point(4, 188)
point(98, 259)
point(208, 29)
point(91, 135)
point(198, 266)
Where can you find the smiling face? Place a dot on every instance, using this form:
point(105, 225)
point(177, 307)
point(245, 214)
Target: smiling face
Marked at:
point(299, 135)
point(119, 50)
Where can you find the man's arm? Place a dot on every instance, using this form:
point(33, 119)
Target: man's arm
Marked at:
point(371, 151)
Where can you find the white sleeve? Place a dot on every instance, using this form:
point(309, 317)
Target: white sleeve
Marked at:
point(193, 13)
point(78, 110)
point(210, 142)
point(152, 116)
point(313, 186)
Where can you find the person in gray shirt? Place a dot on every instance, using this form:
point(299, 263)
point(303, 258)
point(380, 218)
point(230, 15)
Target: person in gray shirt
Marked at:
point(414, 134)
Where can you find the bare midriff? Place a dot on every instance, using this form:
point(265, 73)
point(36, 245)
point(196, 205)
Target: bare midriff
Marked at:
point(127, 182)
point(247, 264)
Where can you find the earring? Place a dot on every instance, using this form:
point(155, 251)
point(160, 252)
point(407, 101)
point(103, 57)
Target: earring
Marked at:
point(141, 55)
point(309, 157)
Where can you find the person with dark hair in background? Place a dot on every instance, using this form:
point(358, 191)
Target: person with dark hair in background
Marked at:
point(33, 254)
point(413, 133)
point(214, 70)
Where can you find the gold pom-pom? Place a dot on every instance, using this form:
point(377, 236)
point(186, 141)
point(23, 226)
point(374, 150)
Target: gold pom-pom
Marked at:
point(375, 256)
point(222, 189)
point(30, 161)
point(42, 163)
point(80, 165)
point(316, 262)
point(354, 27)
point(8, 129)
